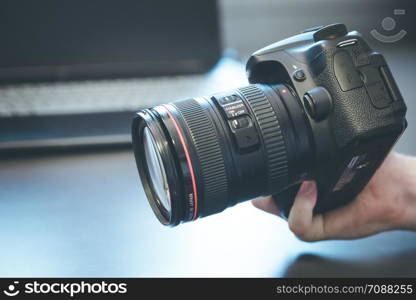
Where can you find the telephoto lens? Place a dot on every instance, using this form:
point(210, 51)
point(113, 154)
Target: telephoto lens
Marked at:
point(198, 156)
point(321, 105)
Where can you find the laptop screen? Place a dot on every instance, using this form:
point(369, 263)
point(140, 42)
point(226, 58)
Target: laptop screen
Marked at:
point(76, 39)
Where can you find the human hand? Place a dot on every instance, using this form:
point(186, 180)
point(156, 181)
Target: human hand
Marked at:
point(388, 202)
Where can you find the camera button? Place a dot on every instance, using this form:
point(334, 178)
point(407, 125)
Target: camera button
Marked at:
point(346, 43)
point(345, 72)
point(318, 103)
point(299, 75)
point(241, 122)
point(245, 134)
point(228, 99)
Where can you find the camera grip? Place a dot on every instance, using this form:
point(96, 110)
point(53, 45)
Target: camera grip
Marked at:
point(284, 199)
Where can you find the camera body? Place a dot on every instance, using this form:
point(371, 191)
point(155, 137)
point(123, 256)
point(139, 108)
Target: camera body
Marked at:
point(320, 106)
point(352, 107)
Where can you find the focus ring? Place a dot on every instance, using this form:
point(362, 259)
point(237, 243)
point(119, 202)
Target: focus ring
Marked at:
point(271, 132)
point(205, 140)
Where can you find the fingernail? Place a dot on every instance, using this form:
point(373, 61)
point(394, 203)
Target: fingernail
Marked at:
point(308, 191)
point(306, 188)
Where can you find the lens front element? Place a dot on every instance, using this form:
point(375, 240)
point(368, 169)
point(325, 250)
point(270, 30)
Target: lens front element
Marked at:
point(156, 172)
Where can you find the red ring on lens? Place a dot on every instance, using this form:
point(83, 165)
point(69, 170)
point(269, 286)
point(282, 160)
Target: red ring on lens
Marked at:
point(188, 159)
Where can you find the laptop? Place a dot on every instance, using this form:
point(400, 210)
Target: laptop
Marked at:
point(72, 73)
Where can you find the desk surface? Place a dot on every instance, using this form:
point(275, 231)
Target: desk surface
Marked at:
point(85, 214)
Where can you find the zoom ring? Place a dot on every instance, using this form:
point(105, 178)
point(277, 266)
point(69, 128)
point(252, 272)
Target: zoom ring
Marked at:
point(271, 132)
point(208, 150)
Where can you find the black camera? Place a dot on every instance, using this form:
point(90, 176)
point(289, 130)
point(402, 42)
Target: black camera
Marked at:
point(321, 105)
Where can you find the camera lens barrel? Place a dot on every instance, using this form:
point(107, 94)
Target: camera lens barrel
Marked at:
point(209, 155)
point(221, 150)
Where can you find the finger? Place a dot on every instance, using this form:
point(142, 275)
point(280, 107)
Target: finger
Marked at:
point(301, 220)
point(342, 223)
point(267, 204)
point(349, 222)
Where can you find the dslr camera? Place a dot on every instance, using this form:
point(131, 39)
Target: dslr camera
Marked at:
point(321, 105)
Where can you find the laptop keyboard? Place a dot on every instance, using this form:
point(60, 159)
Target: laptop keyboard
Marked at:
point(114, 95)
point(97, 96)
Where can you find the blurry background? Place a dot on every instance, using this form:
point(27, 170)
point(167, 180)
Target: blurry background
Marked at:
point(84, 213)
point(249, 25)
